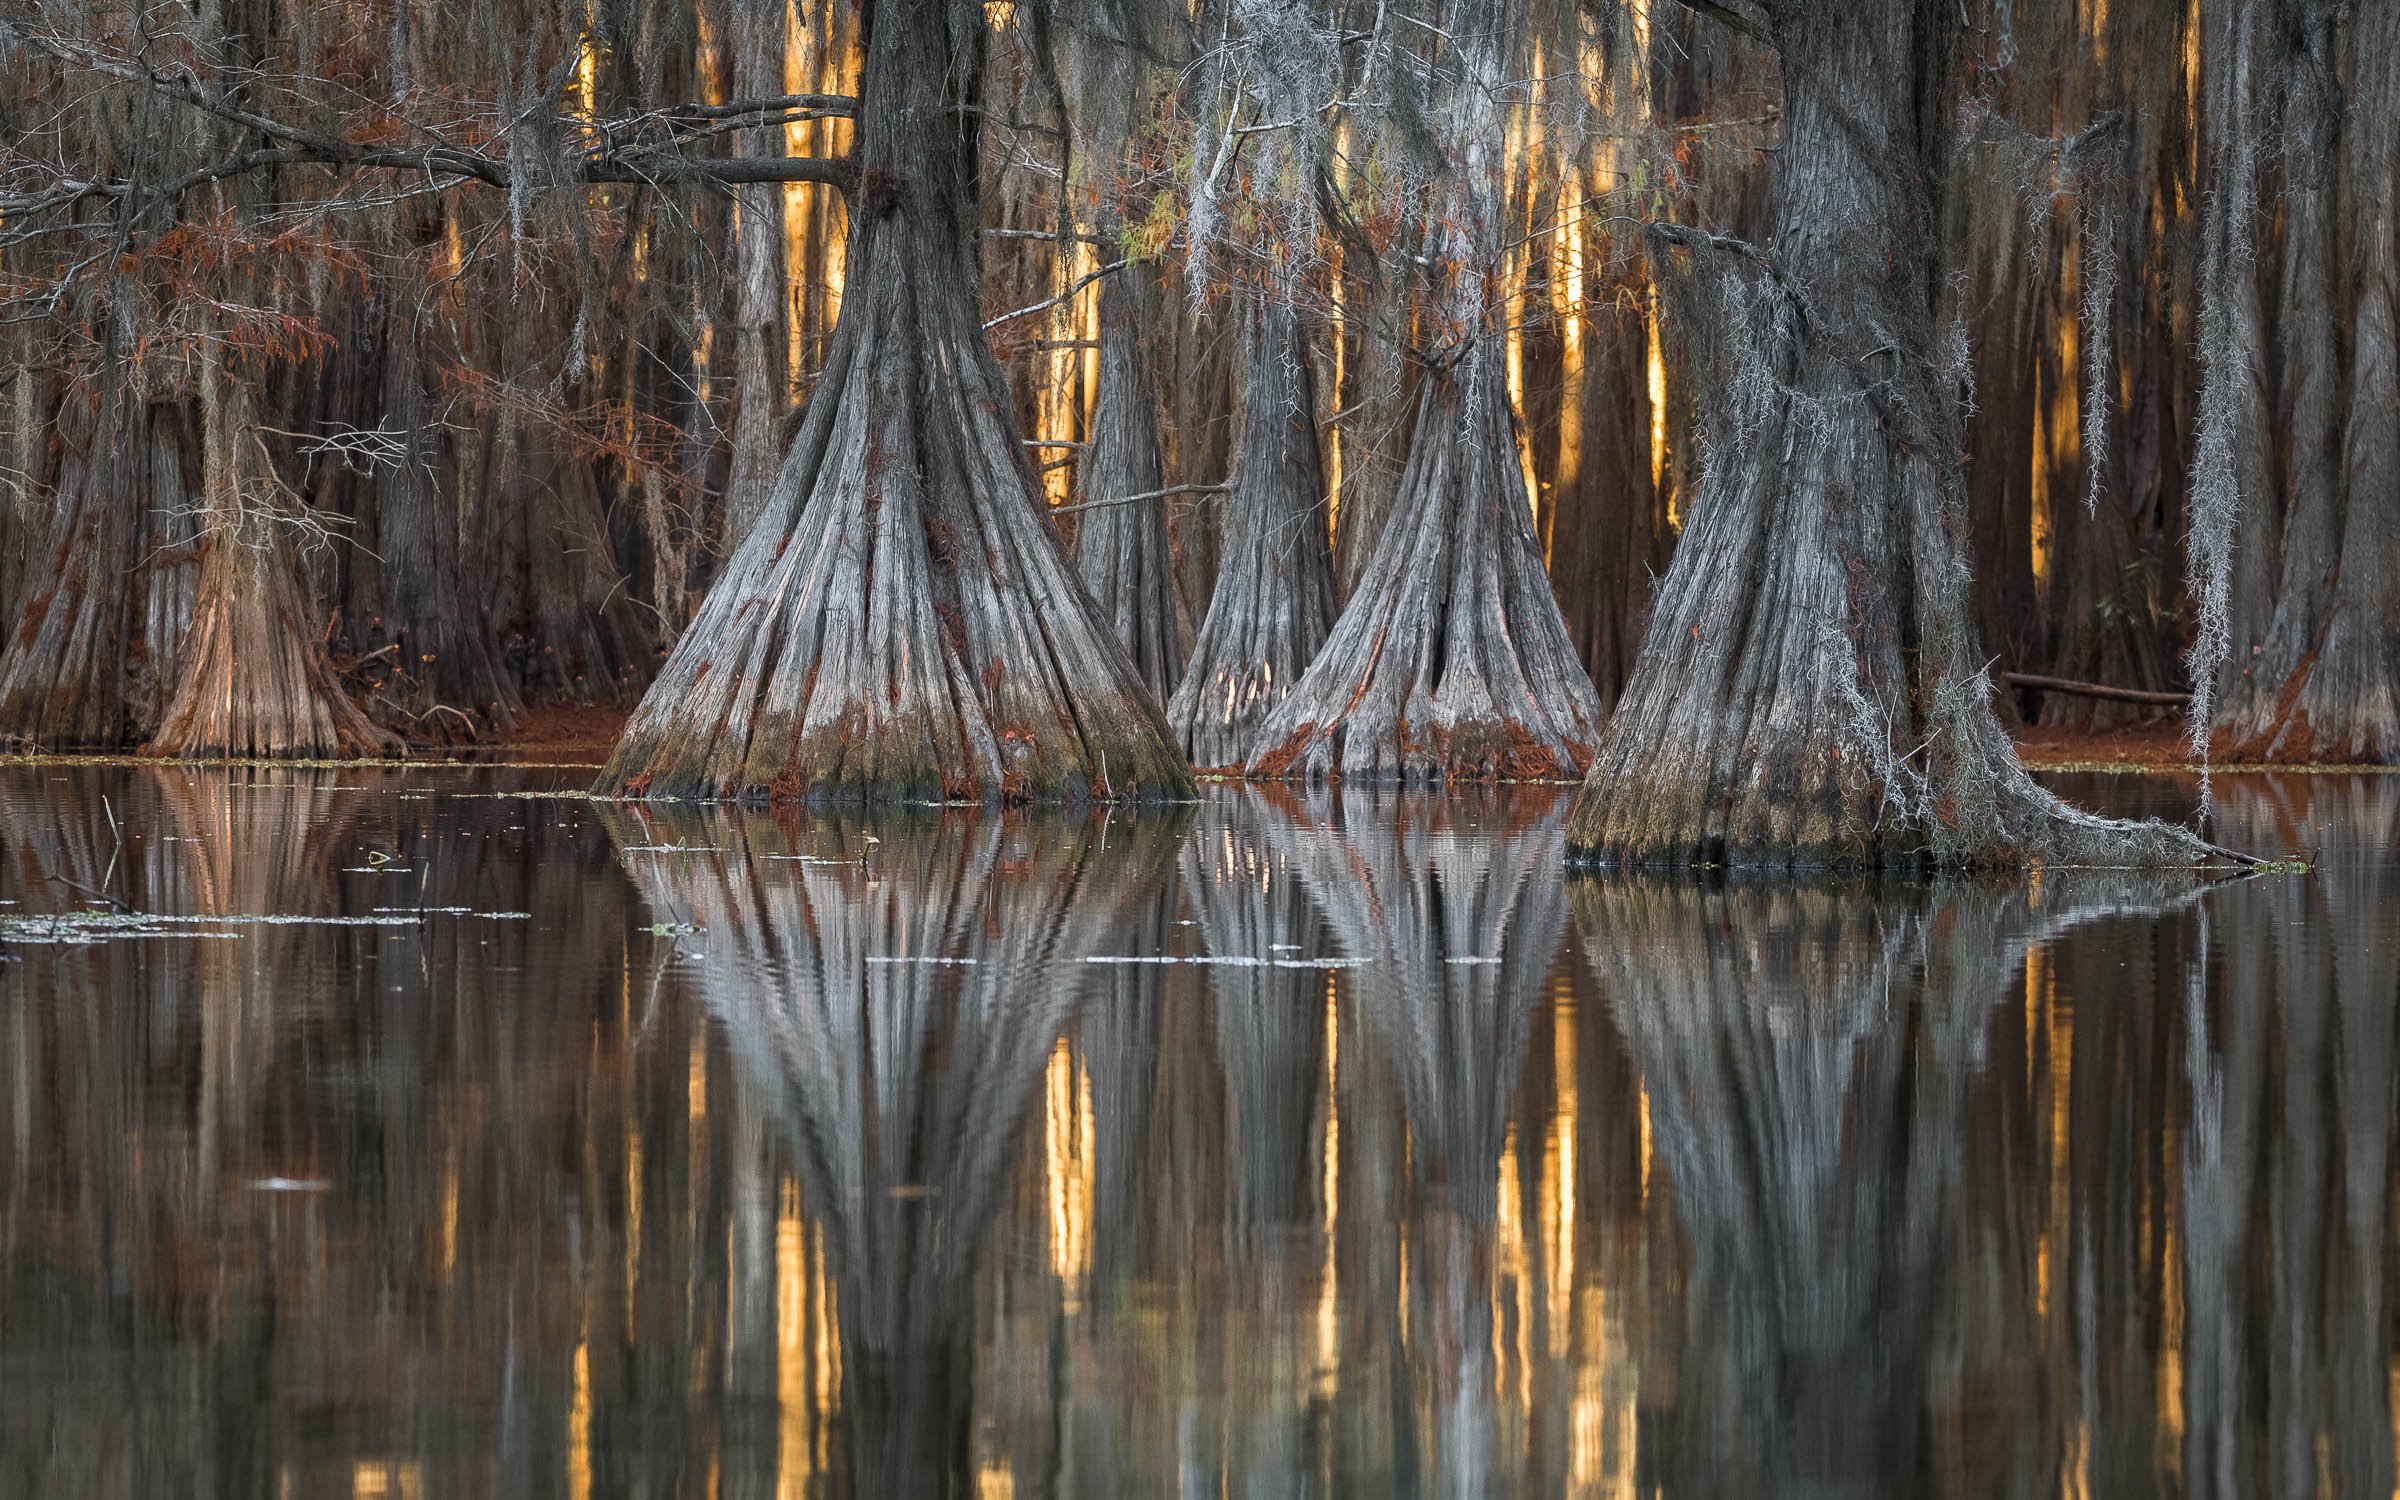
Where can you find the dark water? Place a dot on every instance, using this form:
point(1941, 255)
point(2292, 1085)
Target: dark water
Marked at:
point(598, 1152)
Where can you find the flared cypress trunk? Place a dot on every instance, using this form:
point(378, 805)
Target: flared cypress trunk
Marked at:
point(2330, 662)
point(2307, 370)
point(903, 624)
point(1121, 547)
point(251, 678)
point(1810, 691)
point(1451, 659)
point(1273, 602)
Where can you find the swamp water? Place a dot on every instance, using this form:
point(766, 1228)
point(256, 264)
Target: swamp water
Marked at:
point(1284, 1146)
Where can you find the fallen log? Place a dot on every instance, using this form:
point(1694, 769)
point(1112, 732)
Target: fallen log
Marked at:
point(2094, 690)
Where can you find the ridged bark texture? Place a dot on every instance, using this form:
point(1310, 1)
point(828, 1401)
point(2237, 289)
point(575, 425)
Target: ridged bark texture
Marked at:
point(1273, 602)
point(69, 678)
point(903, 624)
point(2233, 475)
point(2339, 700)
point(452, 684)
point(1121, 549)
point(2308, 376)
point(1451, 660)
point(1809, 691)
point(760, 382)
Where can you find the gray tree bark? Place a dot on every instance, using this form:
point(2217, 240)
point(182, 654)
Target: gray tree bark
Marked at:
point(1273, 602)
point(70, 675)
point(1810, 692)
point(760, 381)
point(1121, 546)
point(1451, 660)
point(2305, 60)
point(2336, 688)
point(903, 624)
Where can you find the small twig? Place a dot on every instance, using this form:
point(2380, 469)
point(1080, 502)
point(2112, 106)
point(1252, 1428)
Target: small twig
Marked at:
point(104, 897)
point(1068, 295)
point(1172, 489)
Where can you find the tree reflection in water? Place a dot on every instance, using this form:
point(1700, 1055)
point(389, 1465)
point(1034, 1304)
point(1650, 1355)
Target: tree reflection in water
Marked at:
point(1457, 927)
point(928, 970)
point(1808, 1053)
point(1368, 1188)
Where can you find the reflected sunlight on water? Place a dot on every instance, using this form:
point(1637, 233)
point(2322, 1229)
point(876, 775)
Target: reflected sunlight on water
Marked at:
point(771, 1155)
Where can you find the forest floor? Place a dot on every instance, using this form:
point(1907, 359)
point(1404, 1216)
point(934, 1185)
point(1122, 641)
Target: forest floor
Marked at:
point(564, 730)
point(2129, 747)
point(589, 732)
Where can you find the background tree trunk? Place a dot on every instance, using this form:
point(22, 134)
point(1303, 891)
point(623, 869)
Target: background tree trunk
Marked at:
point(2239, 61)
point(1273, 601)
point(1611, 536)
point(2307, 376)
point(450, 680)
point(761, 383)
point(67, 674)
point(1121, 549)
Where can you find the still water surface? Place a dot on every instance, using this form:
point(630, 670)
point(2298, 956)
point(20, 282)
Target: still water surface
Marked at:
point(1283, 1147)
